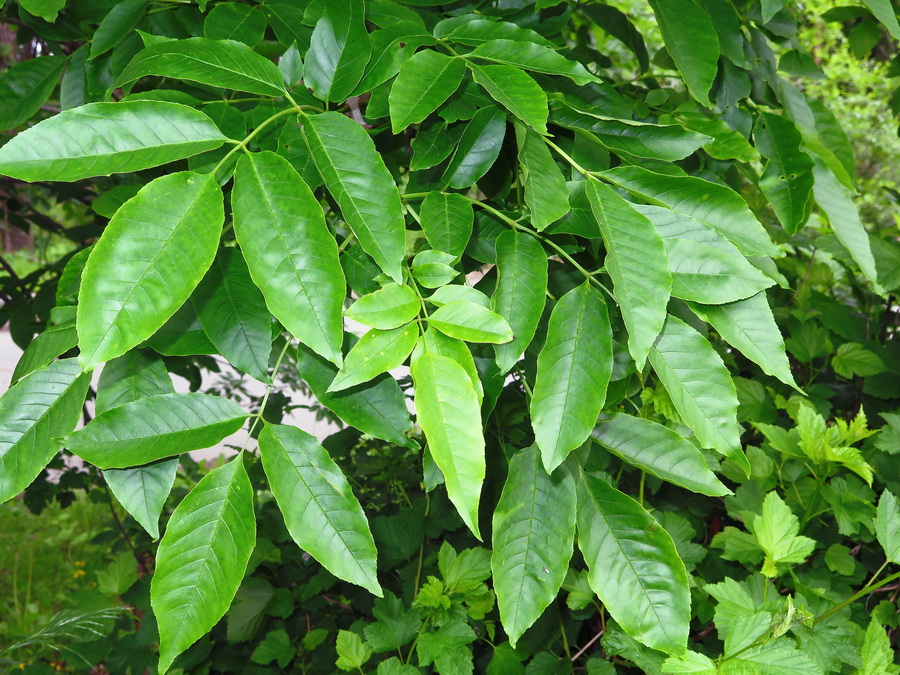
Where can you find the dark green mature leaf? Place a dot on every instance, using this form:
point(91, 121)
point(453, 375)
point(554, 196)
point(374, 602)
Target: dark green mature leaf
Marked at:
point(339, 50)
point(748, 326)
point(292, 256)
point(386, 308)
point(700, 387)
point(520, 293)
point(233, 314)
point(136, 374)
point(531, 56)
point(885, 12)
point(516, 91)
point(633, 566)
point(156, 427)
point(118, 23)
point(151, 256)
point(787, 178)
point(887, 525)
point(471, 322)
point(319, 508)
point(377, 408)
point(666, 143)
point(447, 222)
point(234, 21)
point(573, 370)
point(217, 63)
point(376, 352)
point(659, 451)
point(714, 204)
point(392, 46)
point(26, 86)
point(98, 139)
point(202, 558)
point(33, 413)
point(425, 81)
point(58, 338)
point(447, 409)
point(533, 534)
point(636, 260)
point(691, 40)
point(478, 148)
point(473, 30)
point(357, 178)
point(546, 193)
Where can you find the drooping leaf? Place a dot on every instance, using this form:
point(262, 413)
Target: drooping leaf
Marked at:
point(520, 293)
point(478, 148)
point(787, 178)
point(700, 387)
point(376, 352)
point(447, 222)
point(156, 427)
point(531, 56)
point(666, 143)
point(339, 50)
point(473, 30)
point(448, 411)
point(659, 451)
point(202, 558)
point(56, 339)
point(26, 86)
point(292, 256)
point(217, 63)
point(425, 81)
point(33, 413)
point(516, 91)
point(636, 261)
point(546, 193)
point(118, 23)
point(633, 566)
point(320, 510)
point(357, 178)
point(436, 342)
point(122, 137)
point(387, 308)
point(534, 530)
point(616, 23)
point(471, 322)
point(573, 371)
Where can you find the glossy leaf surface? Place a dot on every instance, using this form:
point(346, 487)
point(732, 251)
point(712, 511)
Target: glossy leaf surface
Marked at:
point(516, 91)
point(447, 221)
point(425, 81)
point(546, 193)
point(339, 50)
point(388, 307)
point(468, 321)
point(376, 352)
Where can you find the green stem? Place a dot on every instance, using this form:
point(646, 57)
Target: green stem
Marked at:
point(262, 407)
point(243, 144)
point(641, 489)
point(868, 588)
point(575, 165)
point(565, 639)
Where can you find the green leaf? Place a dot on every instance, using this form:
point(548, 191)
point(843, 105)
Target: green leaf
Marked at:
point(477, 151)
point(55, 340)
point(433, 145)
point(120, 575)
point(533, 534)
point(425, 81)
point(320, 510)
point(714, 204)
point(117, 24)
point(377, 408)
point(387, 308)
point(691, 662)
point(573, 371)
point(473, 29)
point(770, 8)
point(636, 261)
point(136, 374)
point(531, 56)
point(546, 193)
point(234, 21)
point(202, 558)
point(447, 222)
point(877, 652)
point(151, 256)
point(275, 646)
point(26, 86)
point(376, 352)
point(852, 359)
point(452, 292)
point(448, 648)
point(659, 451)
point(633, 566)
point(666, 143)
point(433, 269)
point(33, 412)
point(392, 46)
point(449, 413)
point(357, 178)
point(46, 9)
point(787, 178)
point(691, 41)
point(776, 530)
point(339, 50)
point(700, 387)
point(143, 491)
point(884, 11)
point(520, 293)
point(156, 427)
point(353, 653)
point(75, 143)
point(292, 256)
point(397, 626)
point(436, 342)
point(516, 91)
point(748, 326)
point(887, 525)
point(836, 202)
point(217, 63)
point(471, 322)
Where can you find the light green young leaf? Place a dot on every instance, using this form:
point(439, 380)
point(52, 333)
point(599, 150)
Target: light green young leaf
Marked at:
point(691, 662)
point(118, 23)
point(156, 427)
point(376, 352)
point(636, 261)
point(202, 558)
point(471, 322)
point(387, 308)
point(478, 148)
point(452, 292)
point(531, 56)
point(433, 269)
point(436, 342)
point(777, 529)
point(147, 133)
point(425, 81)
point(449, 413)
point(546, 193)
point(887, 525)
point(320, 510)
point(701, 388)
point(291, 255)
point(520, 293)
point(151, 256)
point(353, 652)
point(33, 413)
point(852, 359)
point(447, 221)
point(26, 86)
point(339, 50)
point(533, 534)
point(573, 371)
point(357, 178)
point(516, 91)
point(877, 652)
point(659, 451)
point(633, 567)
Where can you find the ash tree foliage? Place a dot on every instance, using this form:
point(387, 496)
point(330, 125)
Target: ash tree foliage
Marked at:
point(583, 241)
